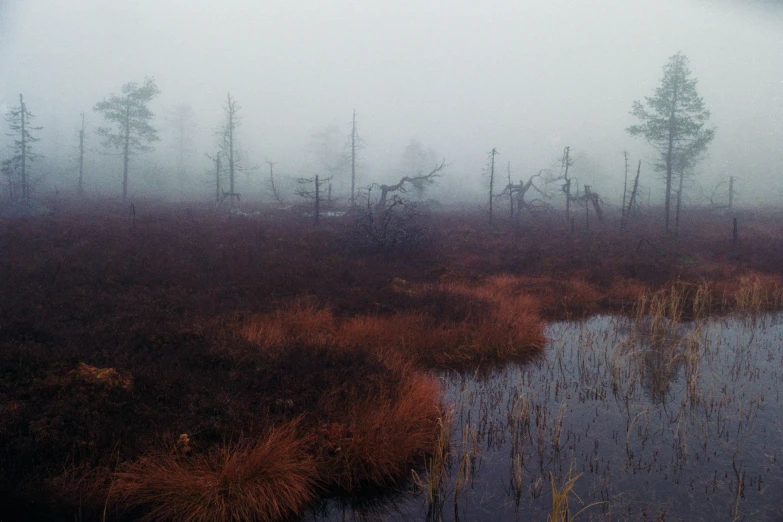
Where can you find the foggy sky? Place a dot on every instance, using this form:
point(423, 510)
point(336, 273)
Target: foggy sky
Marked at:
point(526, 77)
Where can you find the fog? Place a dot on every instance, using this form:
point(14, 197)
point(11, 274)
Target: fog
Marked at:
point(461, 77)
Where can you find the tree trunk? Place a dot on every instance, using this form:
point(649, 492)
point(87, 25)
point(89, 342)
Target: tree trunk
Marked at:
point(510, 194)
point(81, 157)
point(217, 178)
point(126, 153)
point(625, 187)
point(669, 156)
point(491, 182)
point(231, 146)
point(632, 199)
point(731, 193)
point(566, 155)
point(272, 181)
point(317, 199)
point(25, 188)
point(587, 208)
point(679, 200)
point(381, 206)
point(353, 160)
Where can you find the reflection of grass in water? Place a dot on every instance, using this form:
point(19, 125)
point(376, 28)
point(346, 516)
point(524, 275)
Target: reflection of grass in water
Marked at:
point(650, 422)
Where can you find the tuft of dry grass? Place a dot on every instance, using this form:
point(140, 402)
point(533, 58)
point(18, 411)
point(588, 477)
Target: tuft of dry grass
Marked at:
point(382, 437)
point(468, 324)
point(299, 323)
point(270, 479)
point(496, 323)
point(102, 376)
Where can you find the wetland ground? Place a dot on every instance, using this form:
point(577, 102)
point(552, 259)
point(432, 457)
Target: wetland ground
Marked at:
point(186, 363)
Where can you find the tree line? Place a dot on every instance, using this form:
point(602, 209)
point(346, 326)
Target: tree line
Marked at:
point(674, 120)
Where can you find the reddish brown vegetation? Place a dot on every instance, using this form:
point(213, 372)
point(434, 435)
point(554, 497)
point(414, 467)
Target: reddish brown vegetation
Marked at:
point(268, 479)
point(378, 439)
point(116, 339)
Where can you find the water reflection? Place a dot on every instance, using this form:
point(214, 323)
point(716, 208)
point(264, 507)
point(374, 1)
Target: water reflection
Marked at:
point(641, 423)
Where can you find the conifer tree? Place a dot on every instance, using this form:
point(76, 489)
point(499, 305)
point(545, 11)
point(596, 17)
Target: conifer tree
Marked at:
point(674, 121)
point(130, 117)
point(17, 168)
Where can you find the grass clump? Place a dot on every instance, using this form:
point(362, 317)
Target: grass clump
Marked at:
point(270, 479)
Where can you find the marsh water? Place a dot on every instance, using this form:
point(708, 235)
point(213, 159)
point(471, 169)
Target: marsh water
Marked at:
point(645, 420)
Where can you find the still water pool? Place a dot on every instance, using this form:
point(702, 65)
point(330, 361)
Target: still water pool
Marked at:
point(645, 422)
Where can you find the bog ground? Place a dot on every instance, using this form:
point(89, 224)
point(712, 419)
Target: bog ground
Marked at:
point(190, 364)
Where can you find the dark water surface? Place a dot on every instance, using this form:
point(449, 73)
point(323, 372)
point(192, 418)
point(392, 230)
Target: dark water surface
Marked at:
point(666, 422)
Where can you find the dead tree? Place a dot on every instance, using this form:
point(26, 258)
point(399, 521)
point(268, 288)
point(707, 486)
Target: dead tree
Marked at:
point(356, 145)
point(625, 186)
point(310, 189)
point(594, 199)
point(492, 155)
point(731, 193)
point(181, 120)
point(418, 182)
point(632, 203)
point(229, 144)
point(81, 158)
point(216, 161)
point(272, 180)
point(565, 163)
point(395, 227)
point(510, 194)
point(394, 221)
point(518, 191)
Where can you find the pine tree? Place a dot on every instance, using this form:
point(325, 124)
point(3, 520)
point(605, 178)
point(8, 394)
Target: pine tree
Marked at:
point(674, 121)
point(17, 167)
point(131, 120)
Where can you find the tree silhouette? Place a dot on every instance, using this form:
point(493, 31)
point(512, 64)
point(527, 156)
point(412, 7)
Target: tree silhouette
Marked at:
point(16, 168)
point(674, 121)
point(130, 117)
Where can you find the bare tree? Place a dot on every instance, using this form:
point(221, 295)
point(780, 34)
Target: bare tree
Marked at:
point(398, 225)
point(81, 158)
point(633, 204)
point(731, 193)
point(394, 221)
point(181, 122)
point(625, 186)
point(272, 180)
point(356, 145)
point(229, 144)
point(564, 165)
point(328, 152)
point(218, 174)
point(519, 190)
point(312, 189)
point(510, 194)
point(491, 155)
point(587, 198)
point(418, 182)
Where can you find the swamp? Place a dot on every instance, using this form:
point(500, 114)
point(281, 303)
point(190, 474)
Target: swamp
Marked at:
point(188, 364)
